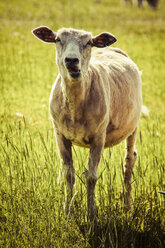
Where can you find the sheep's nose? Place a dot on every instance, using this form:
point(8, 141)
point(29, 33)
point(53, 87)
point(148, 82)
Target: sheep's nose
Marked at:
point(72, 65)
point(71, 61)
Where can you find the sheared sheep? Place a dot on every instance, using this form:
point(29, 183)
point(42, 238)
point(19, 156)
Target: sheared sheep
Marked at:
point(153, 3)
point(95, 102)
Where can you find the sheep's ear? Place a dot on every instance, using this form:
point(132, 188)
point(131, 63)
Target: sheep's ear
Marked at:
point(103, 40)
point(44, 34)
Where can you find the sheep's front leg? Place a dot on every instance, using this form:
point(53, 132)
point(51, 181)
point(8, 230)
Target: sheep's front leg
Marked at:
point(130, 159)
point(96, 150)
point(67, 172)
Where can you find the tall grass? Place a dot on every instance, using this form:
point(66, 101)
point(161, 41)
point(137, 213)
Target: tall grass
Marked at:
point(31, 201)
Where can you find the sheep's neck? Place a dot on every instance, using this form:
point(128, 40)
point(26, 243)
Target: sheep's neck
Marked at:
point(74, 96)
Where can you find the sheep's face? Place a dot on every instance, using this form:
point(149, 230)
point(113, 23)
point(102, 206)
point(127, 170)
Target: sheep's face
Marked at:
point(73, 49)
point(73, 53)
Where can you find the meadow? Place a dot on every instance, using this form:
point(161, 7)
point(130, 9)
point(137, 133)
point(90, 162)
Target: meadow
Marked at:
point(31, 200)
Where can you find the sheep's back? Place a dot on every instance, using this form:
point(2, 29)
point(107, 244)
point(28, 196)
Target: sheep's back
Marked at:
point(122, 79)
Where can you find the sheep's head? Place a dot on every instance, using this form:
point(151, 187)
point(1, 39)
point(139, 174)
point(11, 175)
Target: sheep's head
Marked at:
point(73, 48)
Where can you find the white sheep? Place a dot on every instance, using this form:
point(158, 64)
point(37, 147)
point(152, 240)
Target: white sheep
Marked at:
point(95, 102)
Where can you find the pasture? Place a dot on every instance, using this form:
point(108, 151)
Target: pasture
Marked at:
point(31, 200)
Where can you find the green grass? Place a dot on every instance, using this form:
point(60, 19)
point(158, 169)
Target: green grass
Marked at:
point(31, 201)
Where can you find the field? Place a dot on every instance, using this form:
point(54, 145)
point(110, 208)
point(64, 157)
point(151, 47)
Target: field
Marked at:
point(31, 200)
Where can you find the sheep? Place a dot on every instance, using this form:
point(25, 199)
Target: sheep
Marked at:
point(95, 103)
point(152, 3)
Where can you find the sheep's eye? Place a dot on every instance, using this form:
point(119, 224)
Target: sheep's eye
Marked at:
point(89, 43)
point(58, 40)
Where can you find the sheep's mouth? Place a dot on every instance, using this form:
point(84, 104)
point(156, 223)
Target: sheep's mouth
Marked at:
point(74, 72)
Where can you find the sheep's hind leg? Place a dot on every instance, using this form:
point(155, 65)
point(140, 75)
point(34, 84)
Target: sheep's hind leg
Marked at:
point(130, 159)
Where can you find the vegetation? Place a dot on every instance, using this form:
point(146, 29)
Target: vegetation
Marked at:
point(31, 201)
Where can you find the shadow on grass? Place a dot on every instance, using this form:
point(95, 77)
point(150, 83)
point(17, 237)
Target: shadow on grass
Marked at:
point(138, 229)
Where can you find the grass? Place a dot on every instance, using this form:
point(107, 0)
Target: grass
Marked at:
point(31, 201)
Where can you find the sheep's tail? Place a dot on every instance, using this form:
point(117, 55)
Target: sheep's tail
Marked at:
point(144, 111)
